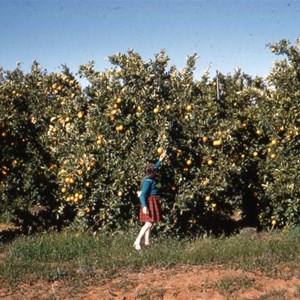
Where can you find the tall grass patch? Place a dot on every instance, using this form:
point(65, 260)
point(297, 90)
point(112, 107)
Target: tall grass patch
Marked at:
point(67, 254)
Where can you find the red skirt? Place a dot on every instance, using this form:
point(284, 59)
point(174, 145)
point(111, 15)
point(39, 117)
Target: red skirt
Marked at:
point(153, 204)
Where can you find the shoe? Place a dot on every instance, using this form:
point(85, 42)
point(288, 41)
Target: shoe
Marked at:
point(137, 246)
point(148, 245)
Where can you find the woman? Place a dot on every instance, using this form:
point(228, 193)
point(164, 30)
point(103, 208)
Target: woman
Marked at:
point(150, 211)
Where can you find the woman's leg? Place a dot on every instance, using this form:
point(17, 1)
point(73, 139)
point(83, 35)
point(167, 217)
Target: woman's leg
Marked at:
point(144, 229)
point(147, 235)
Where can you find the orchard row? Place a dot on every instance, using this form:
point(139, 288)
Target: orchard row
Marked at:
point(73, 155)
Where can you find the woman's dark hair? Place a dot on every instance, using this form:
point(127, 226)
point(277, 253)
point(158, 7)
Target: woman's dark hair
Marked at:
point(150, 170)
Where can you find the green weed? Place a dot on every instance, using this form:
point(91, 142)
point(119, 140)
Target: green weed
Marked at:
point(65, 255)
point(230, 284)
point(274, 295)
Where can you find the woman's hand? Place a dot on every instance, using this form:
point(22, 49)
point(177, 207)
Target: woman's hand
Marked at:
point(163, 155)
point(145, 210)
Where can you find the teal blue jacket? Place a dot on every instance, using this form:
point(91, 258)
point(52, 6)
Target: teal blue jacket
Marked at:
point(149, 186)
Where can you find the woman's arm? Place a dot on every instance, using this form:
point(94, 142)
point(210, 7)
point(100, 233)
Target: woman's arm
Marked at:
point(158, 163)
point(146, 186)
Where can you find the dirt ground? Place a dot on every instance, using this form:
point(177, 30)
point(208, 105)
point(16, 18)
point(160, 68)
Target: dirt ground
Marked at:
point(180, 282)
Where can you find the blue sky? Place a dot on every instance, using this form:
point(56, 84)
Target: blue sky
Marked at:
point(224, 33)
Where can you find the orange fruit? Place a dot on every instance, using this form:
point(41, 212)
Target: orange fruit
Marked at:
point(179, 153)
point(119, 128)
point(160, 150)
point(210, 162)
point(205, 181)
point(217, 142)
point(188, 107)
point(156, 110)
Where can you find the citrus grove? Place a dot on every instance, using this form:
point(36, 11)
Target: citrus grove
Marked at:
point(73, 155)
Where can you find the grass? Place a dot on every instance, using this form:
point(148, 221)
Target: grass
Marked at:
point(297, 292)
point(230, 284)
point(68, 254)
point(5, 218)
point(275, 295)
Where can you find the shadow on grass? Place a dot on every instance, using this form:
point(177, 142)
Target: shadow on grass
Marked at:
point(9, 234)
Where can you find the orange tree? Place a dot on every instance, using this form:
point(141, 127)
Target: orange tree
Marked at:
point(279, 174)
point(29, 166)
point(25, 181)
point(66, 140)
point(137, 108)
point(126, 124)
